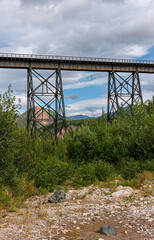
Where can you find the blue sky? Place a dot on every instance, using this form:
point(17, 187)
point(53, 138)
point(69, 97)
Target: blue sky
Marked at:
point(149, 55)
point(100, 28)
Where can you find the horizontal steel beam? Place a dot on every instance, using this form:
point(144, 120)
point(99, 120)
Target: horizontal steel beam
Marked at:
point(26, 61)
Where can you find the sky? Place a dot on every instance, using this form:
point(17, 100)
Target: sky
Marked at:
point(88, 28)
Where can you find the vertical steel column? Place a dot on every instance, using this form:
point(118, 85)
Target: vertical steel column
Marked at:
point(56, 105)
point(31, 124)
point(133, 90)
point(115, 90)
point(28, 100)
point(108, 105)
point(139, 86)
point(60, 117)
point(45, 104)
point(122, 92)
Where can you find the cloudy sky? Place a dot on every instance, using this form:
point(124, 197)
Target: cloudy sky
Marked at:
point(95, 28)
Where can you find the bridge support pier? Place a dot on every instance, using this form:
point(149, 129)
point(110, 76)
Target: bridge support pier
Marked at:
point(45, 103)
point(122, 92)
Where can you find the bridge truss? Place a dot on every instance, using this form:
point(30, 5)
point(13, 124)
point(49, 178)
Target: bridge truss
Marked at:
point(122, 92)
point(45, 103)
point(45, 99)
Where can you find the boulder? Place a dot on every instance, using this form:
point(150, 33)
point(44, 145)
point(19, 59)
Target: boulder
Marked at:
point(123, 192)
point(124, 188)
point(57, 196)
point(108, 230)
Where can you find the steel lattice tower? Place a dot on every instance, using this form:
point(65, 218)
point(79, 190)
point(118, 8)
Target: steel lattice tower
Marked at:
point(122, 92)
point(45, 103)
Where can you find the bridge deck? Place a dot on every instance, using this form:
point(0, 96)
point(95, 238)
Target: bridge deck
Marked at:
point(23, 61)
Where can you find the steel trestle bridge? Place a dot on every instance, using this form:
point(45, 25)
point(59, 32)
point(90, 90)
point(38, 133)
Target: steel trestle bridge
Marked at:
point(122, 91)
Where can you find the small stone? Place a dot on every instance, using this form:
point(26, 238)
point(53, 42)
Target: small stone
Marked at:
point(127, 205)
point(108, 230)
point(121, 202)
point(150, 220)
point(85, 214)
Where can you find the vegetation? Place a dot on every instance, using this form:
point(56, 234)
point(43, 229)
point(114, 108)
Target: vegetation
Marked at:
point(96, 151)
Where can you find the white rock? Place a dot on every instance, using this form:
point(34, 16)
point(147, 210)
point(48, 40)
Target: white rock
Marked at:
point(122, 193)
point(124, 188)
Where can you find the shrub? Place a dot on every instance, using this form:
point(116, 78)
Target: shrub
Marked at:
point(103, 170)
point(5, 195)
point(129, 168)
point(84, 175)
point(148, 165)
point(50, 173)
point(83, 146)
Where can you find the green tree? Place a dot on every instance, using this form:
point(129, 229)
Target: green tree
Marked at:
point(8, 133)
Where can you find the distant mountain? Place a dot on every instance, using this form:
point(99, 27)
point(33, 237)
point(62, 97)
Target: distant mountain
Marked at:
point(79, 117)
point(41, 115)
point(48, 119)
point(147, 102)
point(22, 120)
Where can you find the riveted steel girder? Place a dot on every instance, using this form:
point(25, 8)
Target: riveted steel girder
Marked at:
point(8, 60)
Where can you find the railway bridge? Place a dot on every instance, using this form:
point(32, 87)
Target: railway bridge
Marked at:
point(47, 92)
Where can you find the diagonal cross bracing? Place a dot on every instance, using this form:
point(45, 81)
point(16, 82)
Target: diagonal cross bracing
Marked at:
point(45, 103)
point(122, 92)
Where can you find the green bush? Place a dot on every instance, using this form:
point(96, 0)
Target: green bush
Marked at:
point(148, 165)
point(89, 173)
point(84, 175)
point(103, 170)
point(129, 168)
point(83, 145)
point(50, 173)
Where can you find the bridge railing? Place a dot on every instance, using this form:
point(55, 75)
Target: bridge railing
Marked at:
point(71, 58)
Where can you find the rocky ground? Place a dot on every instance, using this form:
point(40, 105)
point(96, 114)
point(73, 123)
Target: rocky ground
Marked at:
point(81, 216)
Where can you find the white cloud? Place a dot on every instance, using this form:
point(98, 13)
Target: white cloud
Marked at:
point(147, 95)
point(23, 99)
point(83, 27)
point(75, 108)
point(147, 83)
point(135, 50)
point(96, 113)
point(139, 3)
point(85, 79)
